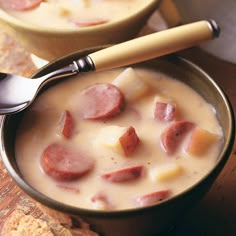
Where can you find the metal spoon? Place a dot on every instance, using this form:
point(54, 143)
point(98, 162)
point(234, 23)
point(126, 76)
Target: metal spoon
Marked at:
point(17, 92)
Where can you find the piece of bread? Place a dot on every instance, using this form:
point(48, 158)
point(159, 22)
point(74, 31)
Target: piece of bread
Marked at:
point(20, 224)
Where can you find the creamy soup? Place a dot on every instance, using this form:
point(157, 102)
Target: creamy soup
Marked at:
point(133, 138)
point(71, 13)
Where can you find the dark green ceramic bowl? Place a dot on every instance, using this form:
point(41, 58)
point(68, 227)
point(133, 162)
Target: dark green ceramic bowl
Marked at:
point(143, 221)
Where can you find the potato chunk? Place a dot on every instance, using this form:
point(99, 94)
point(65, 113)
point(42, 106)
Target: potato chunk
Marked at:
point(200, 141)
point(64, 9)
point(166, 172)
point(122, 140)
point(130, 83)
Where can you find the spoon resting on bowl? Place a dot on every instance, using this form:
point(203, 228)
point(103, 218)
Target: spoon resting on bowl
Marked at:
point(17, 92)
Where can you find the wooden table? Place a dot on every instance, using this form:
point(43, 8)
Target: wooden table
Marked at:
point(214, 215)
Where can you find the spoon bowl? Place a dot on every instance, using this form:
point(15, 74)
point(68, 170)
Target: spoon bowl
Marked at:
point(12, 84)
point(17, 92)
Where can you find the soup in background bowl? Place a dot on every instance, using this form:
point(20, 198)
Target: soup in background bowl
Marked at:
point(51, 29)
point(148, 217)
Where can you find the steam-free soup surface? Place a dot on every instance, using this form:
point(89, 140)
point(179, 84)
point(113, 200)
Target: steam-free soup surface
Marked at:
point(118, 139)
point(71, 14)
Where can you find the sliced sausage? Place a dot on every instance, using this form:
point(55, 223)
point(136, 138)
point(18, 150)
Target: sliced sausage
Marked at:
point(89, 22)
point(62, 163)
point(101, 101)
point(173, 136)
point(152, 198)
point(19, 5)
point(124, 175)
point(101, 201)
point(99, 197)
point(164, 111)
point(67, 124)
point(129, 141)
point(69, 188)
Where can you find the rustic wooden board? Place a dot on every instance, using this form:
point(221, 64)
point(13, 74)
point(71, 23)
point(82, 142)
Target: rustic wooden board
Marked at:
point(13, 59)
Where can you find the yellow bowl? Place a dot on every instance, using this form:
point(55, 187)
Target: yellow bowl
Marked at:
point(50, 43)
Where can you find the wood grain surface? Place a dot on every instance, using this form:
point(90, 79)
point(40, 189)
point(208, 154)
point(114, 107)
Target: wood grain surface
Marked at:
point(214, 215)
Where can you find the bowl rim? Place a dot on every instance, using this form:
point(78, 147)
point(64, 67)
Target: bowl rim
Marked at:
point(72, 210)
point(149, 6)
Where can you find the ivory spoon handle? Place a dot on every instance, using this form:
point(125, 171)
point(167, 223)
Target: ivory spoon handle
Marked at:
point(154, 45)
